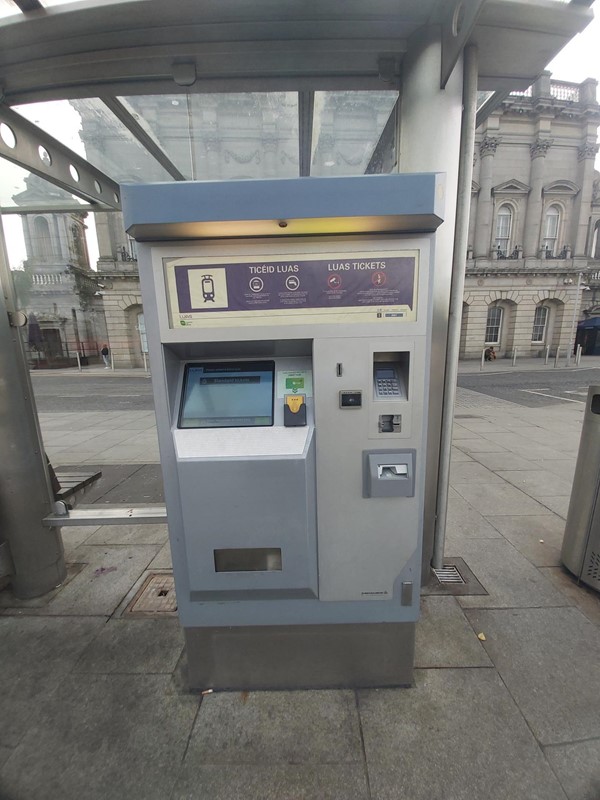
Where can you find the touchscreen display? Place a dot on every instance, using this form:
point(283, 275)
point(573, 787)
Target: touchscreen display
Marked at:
point(237, 394)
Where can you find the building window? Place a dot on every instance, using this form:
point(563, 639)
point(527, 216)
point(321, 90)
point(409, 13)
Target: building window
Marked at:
point(551, 225)
point(493, 325)
point(503, 229)
point(42, 243)
point(540, 320)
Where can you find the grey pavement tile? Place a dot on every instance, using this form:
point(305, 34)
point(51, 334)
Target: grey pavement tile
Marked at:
point(445, 638)
point(563, 467)
point(74, 536)
point(481, 425)
point(308, 727)
point(103, 582)
point(35, 655)
point(479, 445)
point(458, 432)
point(134, 646)
point(458, 455)
point(457, 736)
point(585, 599)
point(277, 782)
point(129, 534)
point(510, 579)
point(577, 767)
point(538, 538)
point(103, 737)
point(557, 503)
point(537, 482)
point(470, 472)
point(498, 461)
point(163, 559)
point(464, 522)
point(497, 498)
point(11, 603)
point(549, 660)
point(5, 753)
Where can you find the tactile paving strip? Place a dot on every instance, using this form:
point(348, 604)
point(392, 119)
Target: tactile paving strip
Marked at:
point(157, 596)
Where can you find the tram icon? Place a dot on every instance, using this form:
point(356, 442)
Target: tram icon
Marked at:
point(208, 288)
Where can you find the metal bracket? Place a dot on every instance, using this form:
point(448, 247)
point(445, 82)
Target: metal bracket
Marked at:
point(107, 514)
point(459, 20)
point(17, 319)
point(29, 147)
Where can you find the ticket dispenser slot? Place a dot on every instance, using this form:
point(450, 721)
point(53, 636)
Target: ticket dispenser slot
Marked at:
point(389, 473)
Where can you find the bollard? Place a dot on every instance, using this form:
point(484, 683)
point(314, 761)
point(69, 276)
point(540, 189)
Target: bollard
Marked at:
point(482, 359)
point(556, 357)
point(145, 362)
point(514, 356)
point(78, 362)
point(112, 361)
point(578, 355)
point(547, 354)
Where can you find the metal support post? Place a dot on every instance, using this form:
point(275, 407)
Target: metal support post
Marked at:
point(78, 360)
point(465, 175)
point(556, 357)
point(547, 354)
point(571, 342)
point(25, 492)
point(145, 362)
point(514, 356)
point(112, 361)
point(482, 359)
point(578, 355)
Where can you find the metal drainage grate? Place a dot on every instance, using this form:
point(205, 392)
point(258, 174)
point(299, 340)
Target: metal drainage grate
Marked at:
point(157, 596)
point(449, 574)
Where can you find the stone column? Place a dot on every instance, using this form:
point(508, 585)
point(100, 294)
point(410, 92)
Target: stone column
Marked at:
point(483, 233)
point(582, 205)
point(533, 215)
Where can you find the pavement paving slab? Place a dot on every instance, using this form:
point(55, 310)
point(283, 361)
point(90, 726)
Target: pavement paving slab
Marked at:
point(537, 538)
point(464, 522)
point(577, 767)
point(444, 638)
point(549, 660)
point(134, 646)
point(35, 656)
point(506, 460)
point(268, 728)
point(458, 734)
point(510, 579)
point(277, 782)
point(585, 599)
point(537, 483)
point(129, 534)
point(103, 737)
point(107, 575)
point(499, 498)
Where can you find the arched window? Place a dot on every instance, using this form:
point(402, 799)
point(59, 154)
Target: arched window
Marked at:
point(493, 325)
point(503, 230)
point(551, 227)
point(42, 244)
point(540, 321)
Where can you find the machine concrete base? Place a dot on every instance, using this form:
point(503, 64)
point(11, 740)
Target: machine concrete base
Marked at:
point(300, 656)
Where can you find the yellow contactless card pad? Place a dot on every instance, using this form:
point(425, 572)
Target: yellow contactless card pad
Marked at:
point(294, 402)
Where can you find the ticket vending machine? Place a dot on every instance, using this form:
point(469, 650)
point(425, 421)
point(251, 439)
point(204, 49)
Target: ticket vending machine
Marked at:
point(288, 326)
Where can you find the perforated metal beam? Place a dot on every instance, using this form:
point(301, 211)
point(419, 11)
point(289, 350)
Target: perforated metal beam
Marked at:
point(45, 156)
point(306, 108)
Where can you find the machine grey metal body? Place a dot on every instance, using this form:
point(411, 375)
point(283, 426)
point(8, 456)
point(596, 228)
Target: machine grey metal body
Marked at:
point(581, 543)
point(296, 550)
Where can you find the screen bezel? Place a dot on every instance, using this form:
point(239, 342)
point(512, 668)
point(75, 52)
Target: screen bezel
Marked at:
point(226, 366)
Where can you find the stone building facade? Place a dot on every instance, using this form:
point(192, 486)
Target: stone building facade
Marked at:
point(56, 286)
point(534, 221)
point(534, 241)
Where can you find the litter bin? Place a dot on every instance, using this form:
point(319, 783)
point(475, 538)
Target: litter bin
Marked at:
point(581, 544)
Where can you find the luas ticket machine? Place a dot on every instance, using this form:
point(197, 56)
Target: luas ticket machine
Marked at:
point(288, 326)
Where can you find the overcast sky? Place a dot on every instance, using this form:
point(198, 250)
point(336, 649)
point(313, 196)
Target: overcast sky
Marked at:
point(579, 60)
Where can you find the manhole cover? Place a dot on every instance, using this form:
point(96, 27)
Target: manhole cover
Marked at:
point(449, 574)
point(157, 596)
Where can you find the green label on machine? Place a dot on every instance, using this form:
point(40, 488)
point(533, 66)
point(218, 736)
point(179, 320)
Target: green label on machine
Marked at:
point(294, 383)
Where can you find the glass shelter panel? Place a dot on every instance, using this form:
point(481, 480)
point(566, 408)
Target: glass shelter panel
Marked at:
point(225, 136)
point(347, 127)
